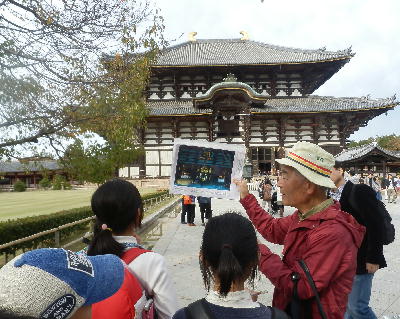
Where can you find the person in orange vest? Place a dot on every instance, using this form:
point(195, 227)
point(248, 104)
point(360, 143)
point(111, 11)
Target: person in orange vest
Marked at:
point(188, 208)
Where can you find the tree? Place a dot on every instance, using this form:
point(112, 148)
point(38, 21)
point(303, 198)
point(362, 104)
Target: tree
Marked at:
point(360, 143)
point(69, 68)
point(95, 163)
point(390, 142)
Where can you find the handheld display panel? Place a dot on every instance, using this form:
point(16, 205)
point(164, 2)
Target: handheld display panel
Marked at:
point(206, 169)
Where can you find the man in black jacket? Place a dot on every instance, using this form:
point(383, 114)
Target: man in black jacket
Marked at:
point(370, 255)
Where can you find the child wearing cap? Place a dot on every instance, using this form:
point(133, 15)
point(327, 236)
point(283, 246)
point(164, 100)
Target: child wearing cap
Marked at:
point(57, 283)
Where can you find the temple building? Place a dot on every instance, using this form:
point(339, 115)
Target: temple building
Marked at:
point(28, 171)
point(246, 92)
point(370, 158)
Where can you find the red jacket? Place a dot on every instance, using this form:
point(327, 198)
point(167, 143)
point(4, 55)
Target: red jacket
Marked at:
point(327, 241)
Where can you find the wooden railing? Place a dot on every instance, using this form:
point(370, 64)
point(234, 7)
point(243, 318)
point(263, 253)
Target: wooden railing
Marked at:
point(253, 186)
point(147, 204)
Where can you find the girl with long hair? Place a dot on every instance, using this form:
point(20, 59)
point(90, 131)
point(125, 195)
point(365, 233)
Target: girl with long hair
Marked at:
point(117, 205)
point(228, 259)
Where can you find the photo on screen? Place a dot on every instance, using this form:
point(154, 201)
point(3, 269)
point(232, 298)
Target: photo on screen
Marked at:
point(203, 167)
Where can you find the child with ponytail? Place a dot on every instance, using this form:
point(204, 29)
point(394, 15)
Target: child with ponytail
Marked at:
point(228, 258)
point(117, 205)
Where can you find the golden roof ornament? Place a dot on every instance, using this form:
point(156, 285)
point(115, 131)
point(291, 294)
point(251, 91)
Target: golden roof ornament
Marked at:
point(192, 36)
point(245, 35)
point(230, 77)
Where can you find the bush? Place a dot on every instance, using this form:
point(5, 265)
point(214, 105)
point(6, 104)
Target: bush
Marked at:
point(67, 185)
point(58, 182)
point(19, 186)
point(153, 195)
point(44, 183)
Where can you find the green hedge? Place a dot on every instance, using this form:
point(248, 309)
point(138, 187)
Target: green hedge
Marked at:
point(155, 194)
point(22, 227)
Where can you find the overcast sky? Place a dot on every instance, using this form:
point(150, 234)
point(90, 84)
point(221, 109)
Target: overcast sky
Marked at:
point(372, 28)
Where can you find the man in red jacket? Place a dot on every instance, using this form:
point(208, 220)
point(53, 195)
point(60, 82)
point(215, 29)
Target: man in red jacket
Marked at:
point(318, 232)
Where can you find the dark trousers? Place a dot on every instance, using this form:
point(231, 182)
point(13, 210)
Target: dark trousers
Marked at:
point(190, 209)
point(183, 213)
point(205, 211)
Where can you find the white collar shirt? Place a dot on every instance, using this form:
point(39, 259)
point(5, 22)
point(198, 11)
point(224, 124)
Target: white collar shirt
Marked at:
point(151, 271)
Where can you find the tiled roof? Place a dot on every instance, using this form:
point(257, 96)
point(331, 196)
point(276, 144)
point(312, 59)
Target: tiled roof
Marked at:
point(238, 52)
point(174, 108)
point(315, 103)
point(34, 166)
point(360, 151)
point(312, 103)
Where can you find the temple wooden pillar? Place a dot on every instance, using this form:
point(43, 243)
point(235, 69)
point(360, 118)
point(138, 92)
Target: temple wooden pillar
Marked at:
point(142, 158)
point(384, 168)
point(273, 161)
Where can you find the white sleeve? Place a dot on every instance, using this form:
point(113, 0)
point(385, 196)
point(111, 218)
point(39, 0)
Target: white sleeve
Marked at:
point(151, 271)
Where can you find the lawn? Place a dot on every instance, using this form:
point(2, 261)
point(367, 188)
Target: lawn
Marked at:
point(15, 205)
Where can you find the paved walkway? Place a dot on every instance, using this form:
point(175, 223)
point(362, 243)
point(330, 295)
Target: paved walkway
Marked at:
point(180, 245)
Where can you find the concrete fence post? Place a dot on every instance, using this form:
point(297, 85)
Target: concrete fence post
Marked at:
point(57, 239)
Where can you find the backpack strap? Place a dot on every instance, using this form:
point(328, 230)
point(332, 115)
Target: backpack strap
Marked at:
point(198, 310)
point(303, 265)
point(131, 254)
point(277, 313)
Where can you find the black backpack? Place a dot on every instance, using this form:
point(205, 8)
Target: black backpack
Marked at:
point(200, 310)
point(388, 228)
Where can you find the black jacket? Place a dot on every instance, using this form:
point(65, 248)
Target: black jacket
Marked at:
point(371, 249)
point(386, 183)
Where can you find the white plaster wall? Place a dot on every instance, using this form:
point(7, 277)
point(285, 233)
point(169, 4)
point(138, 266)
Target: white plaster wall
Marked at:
point(166, 157)
point(264, 144)
point(185, 135)
point(290, 139)
point(152, 157)
point(123, 172)
point(152, 171)
point(134, 171)
point(158, 147)
point(165, 170)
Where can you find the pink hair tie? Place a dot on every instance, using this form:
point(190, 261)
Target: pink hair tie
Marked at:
point(105, 227)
